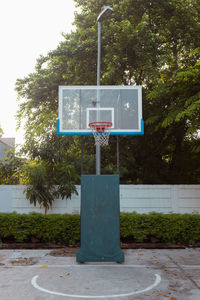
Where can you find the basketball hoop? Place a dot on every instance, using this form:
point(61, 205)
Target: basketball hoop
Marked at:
point(101, 132)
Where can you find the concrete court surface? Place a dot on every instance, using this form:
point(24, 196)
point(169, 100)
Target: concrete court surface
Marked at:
point(54, 274)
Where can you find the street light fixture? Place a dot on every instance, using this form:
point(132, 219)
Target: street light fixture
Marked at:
point(105, 14)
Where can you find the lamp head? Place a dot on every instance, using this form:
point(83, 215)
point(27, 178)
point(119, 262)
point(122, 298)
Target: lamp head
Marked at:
point(105, 14)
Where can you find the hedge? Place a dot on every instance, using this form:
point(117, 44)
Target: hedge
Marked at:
point(65, 229)
point(164, 228)
point(53, 228)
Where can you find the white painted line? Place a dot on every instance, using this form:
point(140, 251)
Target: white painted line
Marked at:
point(35, 285)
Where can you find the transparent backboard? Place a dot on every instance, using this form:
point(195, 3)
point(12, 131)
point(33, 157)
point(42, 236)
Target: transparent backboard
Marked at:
point(80, 105)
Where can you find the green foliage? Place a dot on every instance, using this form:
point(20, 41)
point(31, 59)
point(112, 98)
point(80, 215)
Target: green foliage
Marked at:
point(65, 229)
point(180, 99)
point(154, 44)
point(45, 182)
point(10, 169)
point(38, 188)
point(166, 228)
point(65, 179)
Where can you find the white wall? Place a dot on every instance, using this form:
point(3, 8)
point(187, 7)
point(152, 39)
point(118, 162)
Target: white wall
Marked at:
point(160, 198)
point(21, 205)
point(139, 198)
point(6, 198)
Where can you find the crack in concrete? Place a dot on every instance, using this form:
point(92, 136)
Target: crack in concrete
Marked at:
point(183, 271)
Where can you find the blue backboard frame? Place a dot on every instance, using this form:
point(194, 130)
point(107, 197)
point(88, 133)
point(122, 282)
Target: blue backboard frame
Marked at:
point(90, 133)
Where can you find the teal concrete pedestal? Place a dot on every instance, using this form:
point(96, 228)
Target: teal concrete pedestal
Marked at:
point(100, 219)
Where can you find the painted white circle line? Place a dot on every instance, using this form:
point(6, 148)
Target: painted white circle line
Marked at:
point(35, 284)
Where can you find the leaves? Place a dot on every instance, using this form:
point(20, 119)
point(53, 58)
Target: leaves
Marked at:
point(166, 228)
point(177, 229)
point(65, 275)
point(10, 169)
point(155, 44)
point(46, 182)
point(23, 261)
point(52, 228)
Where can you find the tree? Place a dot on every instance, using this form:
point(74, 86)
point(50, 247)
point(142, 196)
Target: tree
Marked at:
point(46, 182)
point(179, 122)
point(10, 169)
point(147, 43)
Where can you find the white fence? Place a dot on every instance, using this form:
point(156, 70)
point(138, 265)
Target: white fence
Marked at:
point(139, 198)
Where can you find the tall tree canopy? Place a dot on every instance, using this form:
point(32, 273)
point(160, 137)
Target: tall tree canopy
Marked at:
point(150, 43)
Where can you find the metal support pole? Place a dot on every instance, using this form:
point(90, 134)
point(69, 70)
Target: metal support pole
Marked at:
point(117, 154)
point(98, 148)
point(82, 142)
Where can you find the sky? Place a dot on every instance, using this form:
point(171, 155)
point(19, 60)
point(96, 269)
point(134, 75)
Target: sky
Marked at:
point(28, 29)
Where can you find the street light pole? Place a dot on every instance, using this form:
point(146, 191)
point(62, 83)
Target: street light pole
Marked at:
point(98, 147)
point(107, 11)
point(99, 54)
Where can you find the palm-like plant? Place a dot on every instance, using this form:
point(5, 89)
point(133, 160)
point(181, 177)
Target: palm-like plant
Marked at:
point(45, 182)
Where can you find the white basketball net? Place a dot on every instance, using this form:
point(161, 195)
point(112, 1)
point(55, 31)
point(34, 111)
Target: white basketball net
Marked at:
point(101, 132)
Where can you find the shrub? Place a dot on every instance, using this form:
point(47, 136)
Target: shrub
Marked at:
point(53, 228)
point(65, 229)
point(165, 228)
